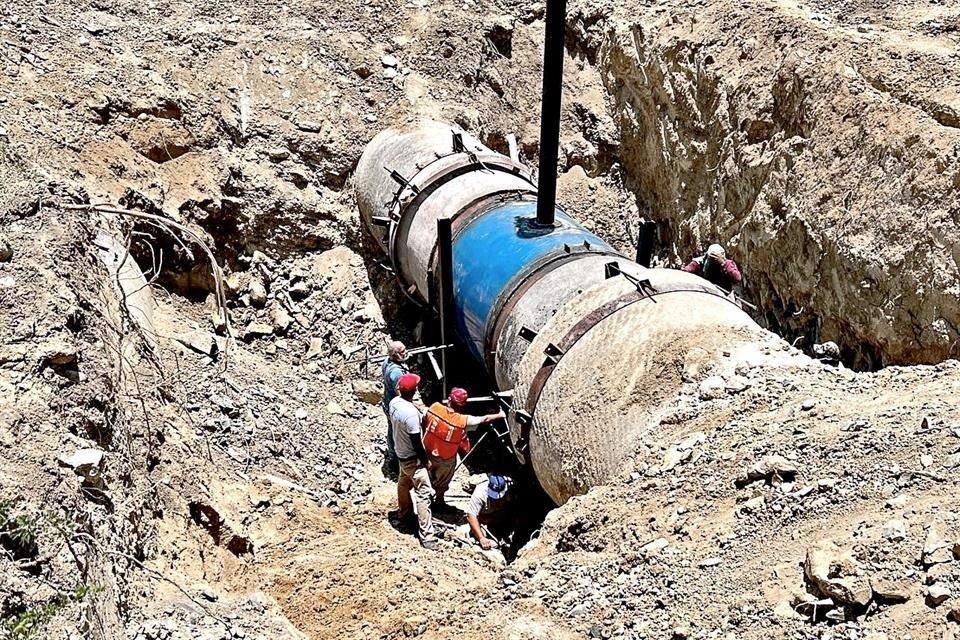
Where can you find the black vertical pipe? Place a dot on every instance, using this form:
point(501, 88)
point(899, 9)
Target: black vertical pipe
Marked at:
point(445, 258)
point(646, 240)
point(553, 47)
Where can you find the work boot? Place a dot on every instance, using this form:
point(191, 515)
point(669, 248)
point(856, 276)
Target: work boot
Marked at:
point(429, 545)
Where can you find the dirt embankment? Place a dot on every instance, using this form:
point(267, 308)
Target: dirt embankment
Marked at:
point(821, 146)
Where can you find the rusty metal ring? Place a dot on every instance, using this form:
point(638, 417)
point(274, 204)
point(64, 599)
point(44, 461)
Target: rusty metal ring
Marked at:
point(586, 323)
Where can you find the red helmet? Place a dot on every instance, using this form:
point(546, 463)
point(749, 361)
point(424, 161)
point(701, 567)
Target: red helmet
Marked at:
point(458, 397)
point(407, 385)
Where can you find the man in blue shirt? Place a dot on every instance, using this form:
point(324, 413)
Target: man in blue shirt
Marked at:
point(391, 371)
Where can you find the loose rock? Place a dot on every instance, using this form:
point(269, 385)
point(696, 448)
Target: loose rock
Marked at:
point(770, 468)
point(937, 594)
point(367, 391)
point(314, 350)
point(895, 530)
point(834, 573)
point(58, 354)
point(258, 292)
point(891, 590)
point(82, 460)
point(300, 290)
point(281, 319)
point(200, 341)
point(257, 330)
point(712, 388)
point(414, 626)
point(655, 546)
point(936, 550)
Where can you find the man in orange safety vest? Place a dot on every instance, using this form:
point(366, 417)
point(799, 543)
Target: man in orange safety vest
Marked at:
point(444, 435)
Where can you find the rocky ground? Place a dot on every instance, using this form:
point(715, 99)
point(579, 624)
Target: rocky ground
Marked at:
point(170, 471)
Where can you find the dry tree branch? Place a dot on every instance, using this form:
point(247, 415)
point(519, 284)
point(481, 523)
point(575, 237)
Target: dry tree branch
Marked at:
point(169, 225)
point(155, 573)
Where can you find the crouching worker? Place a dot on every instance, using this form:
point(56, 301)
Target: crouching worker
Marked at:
point(405, 421)
point(488, 509)
point(444, 435)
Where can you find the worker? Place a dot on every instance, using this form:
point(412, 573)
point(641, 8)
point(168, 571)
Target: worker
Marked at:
point(444, 435)
point(405, 419)
point(716, 267)
point(391, 371)
point(488, 506)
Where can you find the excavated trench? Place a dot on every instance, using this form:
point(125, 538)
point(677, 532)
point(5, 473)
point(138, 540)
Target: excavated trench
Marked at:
point(714, 143)
point(728, 145)
point(706, 163)
point(707, 160)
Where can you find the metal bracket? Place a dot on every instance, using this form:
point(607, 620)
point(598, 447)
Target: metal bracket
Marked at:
point(527, 334)
point(644, 286)
point(382, 221)
point(554, 353)
point(458, 146)
point(403, 182)
point(525, 421)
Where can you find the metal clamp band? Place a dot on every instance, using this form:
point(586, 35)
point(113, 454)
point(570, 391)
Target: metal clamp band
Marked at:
point(419, 187)
point(555, 353)
point(522, 283)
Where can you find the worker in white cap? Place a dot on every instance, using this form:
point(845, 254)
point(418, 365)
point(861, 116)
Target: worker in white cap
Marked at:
point(716, 267)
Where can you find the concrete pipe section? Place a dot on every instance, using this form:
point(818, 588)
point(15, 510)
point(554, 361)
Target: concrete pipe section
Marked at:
point(591, 343)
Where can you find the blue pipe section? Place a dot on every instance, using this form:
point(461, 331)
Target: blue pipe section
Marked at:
point(493, 252)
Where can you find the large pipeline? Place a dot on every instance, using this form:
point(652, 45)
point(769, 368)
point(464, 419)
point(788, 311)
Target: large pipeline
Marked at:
point(591, 343)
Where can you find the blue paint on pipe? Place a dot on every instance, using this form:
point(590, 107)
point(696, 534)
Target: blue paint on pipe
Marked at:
point(491, 251)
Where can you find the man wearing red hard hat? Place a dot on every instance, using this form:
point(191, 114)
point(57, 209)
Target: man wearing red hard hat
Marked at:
point(405, 422)
point(444, 435)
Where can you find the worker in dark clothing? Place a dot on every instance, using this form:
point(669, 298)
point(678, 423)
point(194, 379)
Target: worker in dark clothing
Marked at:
point(716, 267)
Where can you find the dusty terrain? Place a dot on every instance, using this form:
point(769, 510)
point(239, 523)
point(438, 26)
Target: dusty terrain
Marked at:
point(239, 491)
